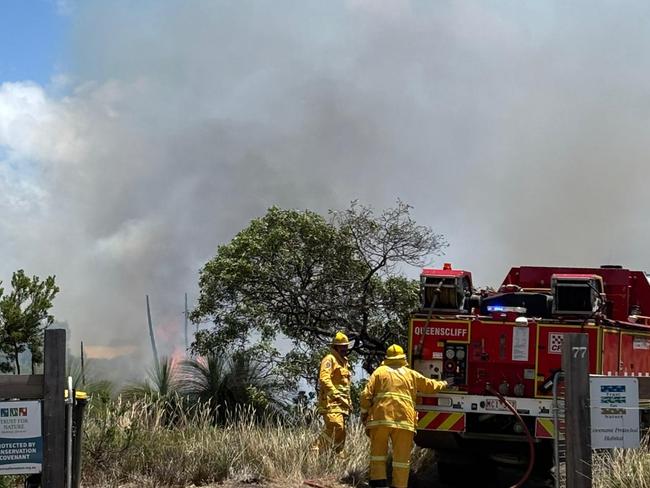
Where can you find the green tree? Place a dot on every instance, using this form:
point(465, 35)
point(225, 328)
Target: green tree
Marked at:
point(302, 276)
point(24, 314)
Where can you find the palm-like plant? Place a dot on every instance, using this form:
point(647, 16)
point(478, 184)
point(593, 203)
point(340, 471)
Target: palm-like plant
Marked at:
point(160, 391)
point(230, 382)
point(161, 382)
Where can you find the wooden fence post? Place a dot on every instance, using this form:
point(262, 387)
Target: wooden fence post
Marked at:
point(54, 409)
point(575, 363)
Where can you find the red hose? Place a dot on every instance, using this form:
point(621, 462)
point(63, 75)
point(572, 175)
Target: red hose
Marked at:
point(531, 441)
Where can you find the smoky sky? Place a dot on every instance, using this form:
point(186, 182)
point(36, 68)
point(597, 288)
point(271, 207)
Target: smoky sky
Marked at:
point(519, 130)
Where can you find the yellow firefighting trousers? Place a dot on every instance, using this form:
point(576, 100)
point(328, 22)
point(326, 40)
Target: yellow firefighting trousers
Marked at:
point(333, 435)
point(402, 441)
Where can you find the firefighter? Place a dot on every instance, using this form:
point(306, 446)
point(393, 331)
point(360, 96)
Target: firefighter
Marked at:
point(334, 393)
point(388, 412)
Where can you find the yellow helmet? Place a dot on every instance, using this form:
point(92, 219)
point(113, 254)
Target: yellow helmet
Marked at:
point(340, 339)
point(395, 352)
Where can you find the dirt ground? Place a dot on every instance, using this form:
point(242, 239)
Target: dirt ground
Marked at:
point(504, 479)
point(270, 484)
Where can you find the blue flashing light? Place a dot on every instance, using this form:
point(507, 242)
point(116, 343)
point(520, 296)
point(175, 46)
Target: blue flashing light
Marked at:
point(497, 308)
point(502, 308)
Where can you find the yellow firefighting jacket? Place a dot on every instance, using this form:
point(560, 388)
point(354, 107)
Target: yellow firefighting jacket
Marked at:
point(389, 397)
point(334, 385)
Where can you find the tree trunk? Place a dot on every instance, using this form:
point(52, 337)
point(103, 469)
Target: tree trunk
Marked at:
point(17, 360)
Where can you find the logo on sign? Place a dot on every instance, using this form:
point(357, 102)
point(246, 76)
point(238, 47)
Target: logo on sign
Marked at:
point(13, 412)
point(555, 343)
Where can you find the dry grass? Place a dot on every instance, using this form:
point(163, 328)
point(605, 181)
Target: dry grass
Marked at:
point(623, 468)
point(131, 443)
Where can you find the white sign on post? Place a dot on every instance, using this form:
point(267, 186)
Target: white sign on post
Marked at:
point(21, 444)
point(614, 412)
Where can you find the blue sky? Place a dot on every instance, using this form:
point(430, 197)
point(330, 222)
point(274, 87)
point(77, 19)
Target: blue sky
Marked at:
point(32, 34)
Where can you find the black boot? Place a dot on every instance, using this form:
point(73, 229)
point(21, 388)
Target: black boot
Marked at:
point(378, 483)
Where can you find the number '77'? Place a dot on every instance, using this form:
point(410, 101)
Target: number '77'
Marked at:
point(579, 351)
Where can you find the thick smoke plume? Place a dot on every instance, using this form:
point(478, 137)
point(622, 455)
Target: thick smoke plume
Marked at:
point(518, 129)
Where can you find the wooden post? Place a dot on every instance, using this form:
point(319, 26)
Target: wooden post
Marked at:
point(644, 388)
point(54, 409)
point(575, 363)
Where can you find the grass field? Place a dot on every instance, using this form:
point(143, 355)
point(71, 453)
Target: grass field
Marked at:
point(127, 442)
point(155, 443)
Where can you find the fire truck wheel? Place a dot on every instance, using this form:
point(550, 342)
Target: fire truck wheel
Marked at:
point(462, 474)
point(543, 458)
point(447, 473)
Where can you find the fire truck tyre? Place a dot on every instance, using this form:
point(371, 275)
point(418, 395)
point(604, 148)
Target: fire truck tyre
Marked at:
point(448, 473)
point(543, 458)
point(461, 474)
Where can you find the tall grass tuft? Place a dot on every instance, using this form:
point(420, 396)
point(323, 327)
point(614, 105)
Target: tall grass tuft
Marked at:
point(623, 468)
point(132, 442)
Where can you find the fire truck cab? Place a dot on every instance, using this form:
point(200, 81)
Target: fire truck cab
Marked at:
point(509, 341)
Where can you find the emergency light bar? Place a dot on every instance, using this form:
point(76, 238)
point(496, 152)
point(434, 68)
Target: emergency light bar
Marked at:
point(500, 308)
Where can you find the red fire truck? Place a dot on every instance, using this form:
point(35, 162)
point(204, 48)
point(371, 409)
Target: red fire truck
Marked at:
point(506, 343)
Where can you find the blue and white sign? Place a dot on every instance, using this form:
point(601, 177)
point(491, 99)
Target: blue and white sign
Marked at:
point(21, 443)
point(614, 412)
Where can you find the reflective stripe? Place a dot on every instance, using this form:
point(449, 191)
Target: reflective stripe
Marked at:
point(392, 423)
point(401, 465)
point(378, 458)
point(391, 394)
point(363, 410)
